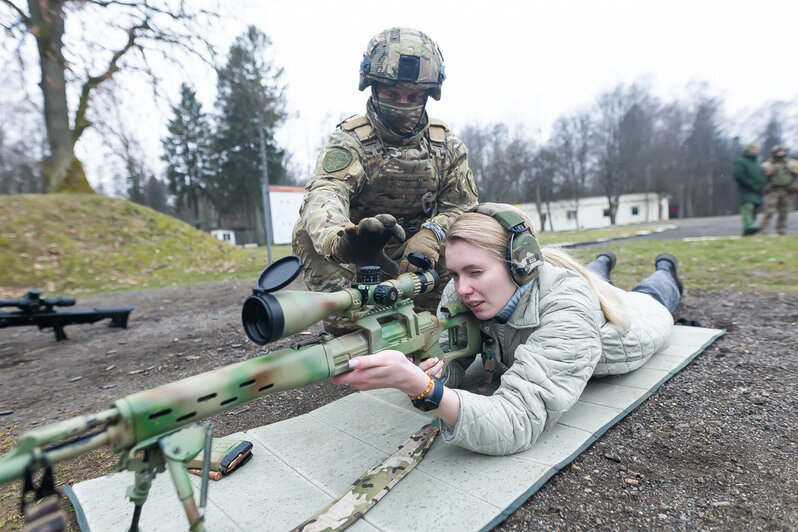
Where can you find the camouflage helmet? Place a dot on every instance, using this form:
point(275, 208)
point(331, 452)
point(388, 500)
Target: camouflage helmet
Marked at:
point(403, 57)
point(777, 148)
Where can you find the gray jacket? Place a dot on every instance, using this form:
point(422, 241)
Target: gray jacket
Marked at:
point(555, 340)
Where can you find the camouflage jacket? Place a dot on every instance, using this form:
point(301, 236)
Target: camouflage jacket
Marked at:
point(780, 173)
point(366, 170)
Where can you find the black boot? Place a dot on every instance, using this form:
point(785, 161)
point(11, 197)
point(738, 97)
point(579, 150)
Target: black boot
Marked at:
point(610, 257)
point(751, 231)
point(602, 265)
point(667, 262)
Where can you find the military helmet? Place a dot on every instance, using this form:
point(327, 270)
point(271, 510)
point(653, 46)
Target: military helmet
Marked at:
point(777, 148)
point(403, 57)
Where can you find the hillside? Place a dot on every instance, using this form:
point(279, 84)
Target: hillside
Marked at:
point(79, 243)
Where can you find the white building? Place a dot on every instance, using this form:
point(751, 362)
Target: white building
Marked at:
point(224, 235)
point(594, 212)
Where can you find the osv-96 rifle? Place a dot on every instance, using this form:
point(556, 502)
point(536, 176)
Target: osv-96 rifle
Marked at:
point(157, 429)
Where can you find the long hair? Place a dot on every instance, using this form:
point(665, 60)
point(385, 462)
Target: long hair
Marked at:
point(487, 233)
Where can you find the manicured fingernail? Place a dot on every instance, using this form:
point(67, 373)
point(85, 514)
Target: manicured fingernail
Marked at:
point(353, 363)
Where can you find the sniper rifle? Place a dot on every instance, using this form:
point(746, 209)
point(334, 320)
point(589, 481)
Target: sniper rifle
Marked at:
point(33, 309)
point(155, 430)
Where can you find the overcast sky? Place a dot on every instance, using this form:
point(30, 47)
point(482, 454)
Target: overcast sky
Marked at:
point(523, 63)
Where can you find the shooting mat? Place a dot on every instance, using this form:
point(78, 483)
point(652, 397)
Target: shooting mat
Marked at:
point(302, 464)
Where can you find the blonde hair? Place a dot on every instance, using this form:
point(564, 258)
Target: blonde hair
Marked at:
point(487, 233)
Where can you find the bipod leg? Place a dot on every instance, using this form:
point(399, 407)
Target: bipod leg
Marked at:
point(178, 448)
point(185, 493)
point(138, 492)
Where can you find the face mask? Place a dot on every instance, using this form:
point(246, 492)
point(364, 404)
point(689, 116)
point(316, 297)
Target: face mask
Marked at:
point(402, 116)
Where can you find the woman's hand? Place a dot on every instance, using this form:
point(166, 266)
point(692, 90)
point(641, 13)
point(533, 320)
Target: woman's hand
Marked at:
point(390, 369)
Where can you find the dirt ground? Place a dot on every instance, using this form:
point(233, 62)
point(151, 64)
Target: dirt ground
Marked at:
point(714, 449)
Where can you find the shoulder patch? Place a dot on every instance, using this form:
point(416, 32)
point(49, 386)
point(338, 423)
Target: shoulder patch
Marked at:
point(336, 159)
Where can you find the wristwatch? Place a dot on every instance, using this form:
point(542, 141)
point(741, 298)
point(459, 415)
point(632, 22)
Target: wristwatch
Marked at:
point(433, 400)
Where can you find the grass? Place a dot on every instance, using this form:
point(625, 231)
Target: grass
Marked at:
point(761, 264)
point(84, 244)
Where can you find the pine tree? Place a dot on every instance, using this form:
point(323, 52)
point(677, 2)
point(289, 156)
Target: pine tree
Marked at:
point(251, 104)
point(187, 153)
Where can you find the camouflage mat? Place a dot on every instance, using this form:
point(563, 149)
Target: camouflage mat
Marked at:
point(301, 465)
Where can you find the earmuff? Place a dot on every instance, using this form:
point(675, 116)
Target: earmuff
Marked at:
point(523, 252)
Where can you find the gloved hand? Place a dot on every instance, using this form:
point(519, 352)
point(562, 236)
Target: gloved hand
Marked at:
point(424, 242)
point(363, 244)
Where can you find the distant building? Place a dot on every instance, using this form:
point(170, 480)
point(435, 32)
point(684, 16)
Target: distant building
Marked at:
point(224, 235)
point(594, 212)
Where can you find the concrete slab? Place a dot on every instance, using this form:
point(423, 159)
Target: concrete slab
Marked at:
point(302, 464)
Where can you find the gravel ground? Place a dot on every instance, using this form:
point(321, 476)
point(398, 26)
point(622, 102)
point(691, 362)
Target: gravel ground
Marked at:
point(714, 449)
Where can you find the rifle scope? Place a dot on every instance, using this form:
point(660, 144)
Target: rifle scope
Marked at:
point(269, 316)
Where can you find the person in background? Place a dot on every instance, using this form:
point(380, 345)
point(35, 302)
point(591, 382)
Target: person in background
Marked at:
point(548, 323)
point(750, 184)
point(781, 172)
point(390, 182)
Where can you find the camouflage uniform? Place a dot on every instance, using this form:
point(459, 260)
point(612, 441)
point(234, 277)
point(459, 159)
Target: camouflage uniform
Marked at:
point(781, 173)
point(423, 180)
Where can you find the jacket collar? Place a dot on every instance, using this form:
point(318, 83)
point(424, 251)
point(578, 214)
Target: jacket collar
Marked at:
point(526, 313)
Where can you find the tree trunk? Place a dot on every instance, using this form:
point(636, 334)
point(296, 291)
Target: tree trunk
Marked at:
point(63, 173)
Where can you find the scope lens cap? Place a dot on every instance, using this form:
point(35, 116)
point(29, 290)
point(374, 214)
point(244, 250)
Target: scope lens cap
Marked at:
point(419, 261)
point(279, 274)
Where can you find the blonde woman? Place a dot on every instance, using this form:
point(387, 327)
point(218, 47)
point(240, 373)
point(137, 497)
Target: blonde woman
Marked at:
point(549, 325)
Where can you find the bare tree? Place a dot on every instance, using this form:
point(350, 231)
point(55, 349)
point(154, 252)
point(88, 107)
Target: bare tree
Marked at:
point(697, 194)
point(20, 151)
point(539, 181)
point(499, 161)
point(772, 135)
point(667, 157)
point(571, 142)
point(144, 29)
point(622, 133)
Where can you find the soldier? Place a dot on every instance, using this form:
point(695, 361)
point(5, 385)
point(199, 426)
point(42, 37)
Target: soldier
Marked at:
point(386, 175)
point(781, 172)
point(750, 183)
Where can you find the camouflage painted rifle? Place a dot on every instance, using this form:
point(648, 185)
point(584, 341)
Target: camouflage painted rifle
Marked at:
point(157, 429)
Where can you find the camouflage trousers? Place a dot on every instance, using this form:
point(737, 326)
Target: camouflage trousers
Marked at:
point(748, 214)
point(322, 275)
point(777, 201)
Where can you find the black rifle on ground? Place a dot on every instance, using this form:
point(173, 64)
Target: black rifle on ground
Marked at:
point(37, 310)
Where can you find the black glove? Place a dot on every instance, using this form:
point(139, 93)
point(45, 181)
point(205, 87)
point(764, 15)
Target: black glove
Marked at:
point(363, 244)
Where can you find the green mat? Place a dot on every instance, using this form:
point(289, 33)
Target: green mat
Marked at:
point(302, 464)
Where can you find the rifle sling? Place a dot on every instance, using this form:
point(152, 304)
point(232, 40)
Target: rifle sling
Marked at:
point(367, 490)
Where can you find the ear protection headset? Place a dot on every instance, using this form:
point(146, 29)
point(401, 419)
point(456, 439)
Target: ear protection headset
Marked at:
point(523, 252)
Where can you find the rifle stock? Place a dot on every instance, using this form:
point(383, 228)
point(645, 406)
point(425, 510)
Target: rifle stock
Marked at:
point(148, 420)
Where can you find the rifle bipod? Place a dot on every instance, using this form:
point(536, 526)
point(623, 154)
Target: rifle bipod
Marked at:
point(172, 452)
point(46, 515)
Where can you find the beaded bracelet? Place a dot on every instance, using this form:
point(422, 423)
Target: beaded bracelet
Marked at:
point(426, 392)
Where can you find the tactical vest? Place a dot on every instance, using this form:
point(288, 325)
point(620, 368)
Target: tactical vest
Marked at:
point(402, 181)
point(781, 174)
